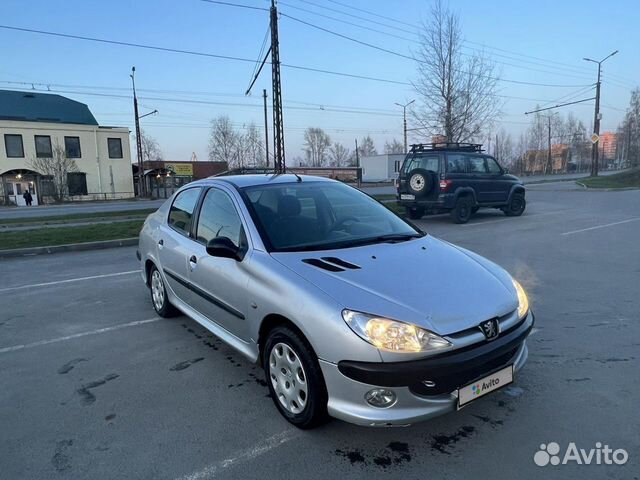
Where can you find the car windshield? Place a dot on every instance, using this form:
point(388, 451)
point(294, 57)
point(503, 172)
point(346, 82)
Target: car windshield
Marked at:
point(322, 215)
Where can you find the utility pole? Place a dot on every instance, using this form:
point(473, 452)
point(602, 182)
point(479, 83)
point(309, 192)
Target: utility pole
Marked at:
point(141, 185)
point(596, 118)
point(278, 127)
point(266, 127)
point(404, 118)
point(549, 165)
point(358, 163)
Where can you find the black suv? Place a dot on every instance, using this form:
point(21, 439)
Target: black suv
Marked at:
point(456, 178)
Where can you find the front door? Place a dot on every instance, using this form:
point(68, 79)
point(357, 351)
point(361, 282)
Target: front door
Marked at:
point(219, 285)
point(17, 190)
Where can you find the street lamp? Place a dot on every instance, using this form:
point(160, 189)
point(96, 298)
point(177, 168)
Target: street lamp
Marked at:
point(596, 119)
point(404, 117)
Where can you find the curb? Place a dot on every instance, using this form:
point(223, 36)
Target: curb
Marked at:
point(71, 247)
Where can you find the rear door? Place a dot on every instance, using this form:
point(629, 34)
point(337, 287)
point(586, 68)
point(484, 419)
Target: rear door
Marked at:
point(479, 178)
point(175, 244)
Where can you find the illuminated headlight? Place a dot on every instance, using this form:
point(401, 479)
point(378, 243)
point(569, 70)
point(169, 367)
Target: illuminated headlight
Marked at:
point(393, 335)
point(523, 301)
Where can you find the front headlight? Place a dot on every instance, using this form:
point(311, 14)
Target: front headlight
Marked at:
point(523, 300)
point(393, 335)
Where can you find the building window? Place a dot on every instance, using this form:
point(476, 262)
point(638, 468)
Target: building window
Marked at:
point(13, 146)
point(72, 147)
point(43, 146)
point(396, 166)
point(115, 147)
point(77, 183)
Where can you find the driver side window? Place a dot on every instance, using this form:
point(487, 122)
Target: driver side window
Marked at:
point(219, 218)
point(493, 166)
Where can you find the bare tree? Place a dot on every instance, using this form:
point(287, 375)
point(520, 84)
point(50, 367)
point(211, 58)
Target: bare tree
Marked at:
point(223, 142)
point(316, 143)
point(150, 148)
point(630, 131)
point(253, 147)
point(457, 91)
point(366, 147)
point(56, 168)
point(504, 148)
point(394, 147)
point(339, 154)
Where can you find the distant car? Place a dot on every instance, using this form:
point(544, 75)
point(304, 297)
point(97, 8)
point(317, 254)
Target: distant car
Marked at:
point(456, 178)
point(351, 311)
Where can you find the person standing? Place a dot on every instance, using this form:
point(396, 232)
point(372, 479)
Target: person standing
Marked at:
point(28, 198)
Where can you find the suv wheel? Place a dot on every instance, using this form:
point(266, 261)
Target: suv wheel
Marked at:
point(415, 213)
point(516, 205)
point(461, 213)
point(159, 296)
point(294, 377)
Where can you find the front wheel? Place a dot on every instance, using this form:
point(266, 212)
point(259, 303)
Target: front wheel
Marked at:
point(294, 377)
point(516, 205)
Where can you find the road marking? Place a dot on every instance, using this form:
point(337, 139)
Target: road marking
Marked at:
point(601, 226)
point(500, 220)
point(244, 455)
point(78, 335)
point(70, 280)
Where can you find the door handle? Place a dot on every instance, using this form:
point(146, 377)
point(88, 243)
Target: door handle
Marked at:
point(161, 243)
point(193, 259)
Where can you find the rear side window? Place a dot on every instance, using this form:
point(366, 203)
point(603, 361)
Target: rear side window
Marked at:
point(181, 213)
point(426, 162)
point(456, 163)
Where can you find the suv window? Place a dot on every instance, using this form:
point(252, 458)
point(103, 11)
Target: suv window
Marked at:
point(426, 162)
point(181, 212)
point(477, 164)
point(218, 218)
point(493, 166)
point(456, 163)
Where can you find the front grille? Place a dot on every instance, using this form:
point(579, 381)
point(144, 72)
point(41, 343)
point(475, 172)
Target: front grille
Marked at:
point(449, 384)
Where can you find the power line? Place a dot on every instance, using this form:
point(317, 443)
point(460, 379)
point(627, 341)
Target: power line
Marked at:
point(229, 4)
point(201, 54)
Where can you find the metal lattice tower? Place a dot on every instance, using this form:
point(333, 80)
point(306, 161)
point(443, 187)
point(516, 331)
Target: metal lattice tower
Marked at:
point(278, 127)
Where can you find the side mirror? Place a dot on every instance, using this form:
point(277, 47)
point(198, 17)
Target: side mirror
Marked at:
point(223, 247)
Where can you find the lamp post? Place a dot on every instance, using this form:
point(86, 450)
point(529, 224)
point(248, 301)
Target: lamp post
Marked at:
point(404, 118)
point(141, 185)
point(596, 119)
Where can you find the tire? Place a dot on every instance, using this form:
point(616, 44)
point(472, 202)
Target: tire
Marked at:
point(516, 206)
point(462, 212)
point(415, 213)
point(294, 378)
point(159, 298)
point(420, 182)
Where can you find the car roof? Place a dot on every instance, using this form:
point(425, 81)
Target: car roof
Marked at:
point(241, 181)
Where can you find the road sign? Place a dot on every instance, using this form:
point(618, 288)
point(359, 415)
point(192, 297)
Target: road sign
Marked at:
point(594, 138)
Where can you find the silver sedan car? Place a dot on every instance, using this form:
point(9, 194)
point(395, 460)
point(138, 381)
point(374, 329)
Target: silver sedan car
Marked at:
point(352, 311)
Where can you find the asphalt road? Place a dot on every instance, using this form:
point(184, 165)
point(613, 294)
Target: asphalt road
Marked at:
point(93, 385)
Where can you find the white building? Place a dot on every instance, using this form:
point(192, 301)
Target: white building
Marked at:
point(33, 124)
point(381, 168)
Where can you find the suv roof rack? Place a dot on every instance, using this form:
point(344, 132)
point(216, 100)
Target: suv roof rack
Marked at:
point(455, 146)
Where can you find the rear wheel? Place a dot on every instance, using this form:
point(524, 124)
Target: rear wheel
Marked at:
point(159, 297)
point(516, 205)
point(461, 213)
point(415, 213)
point(294, 377)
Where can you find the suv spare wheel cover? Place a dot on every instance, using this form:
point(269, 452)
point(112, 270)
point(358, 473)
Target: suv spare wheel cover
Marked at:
point(420, 182)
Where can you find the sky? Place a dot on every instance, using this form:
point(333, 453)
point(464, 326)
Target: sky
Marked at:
point(540, 42)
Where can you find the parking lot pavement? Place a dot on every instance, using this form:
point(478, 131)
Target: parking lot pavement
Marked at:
point(94, 385)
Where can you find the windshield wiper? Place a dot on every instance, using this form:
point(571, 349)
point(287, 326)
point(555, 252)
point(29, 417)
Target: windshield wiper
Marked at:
point(390, 238)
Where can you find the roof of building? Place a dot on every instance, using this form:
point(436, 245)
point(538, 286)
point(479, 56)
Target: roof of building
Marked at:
point(43, 107)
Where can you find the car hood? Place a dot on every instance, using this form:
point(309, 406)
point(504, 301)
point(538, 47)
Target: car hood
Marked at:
point(425, 281)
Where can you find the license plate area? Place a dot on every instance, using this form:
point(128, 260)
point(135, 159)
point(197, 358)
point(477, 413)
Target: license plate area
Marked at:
point(407, 196)
point(485, 385)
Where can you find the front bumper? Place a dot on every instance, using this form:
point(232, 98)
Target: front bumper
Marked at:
point(414, 401)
